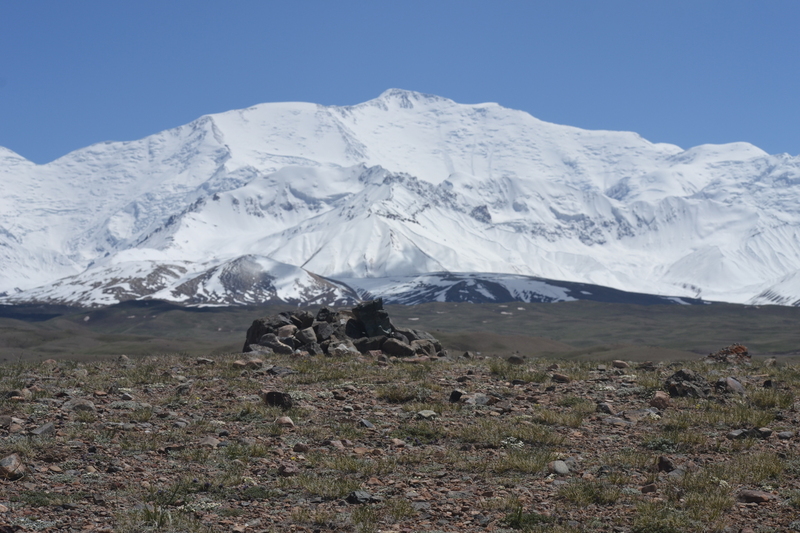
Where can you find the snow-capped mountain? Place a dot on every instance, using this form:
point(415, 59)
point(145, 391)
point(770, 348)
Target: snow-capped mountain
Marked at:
point(299, 202)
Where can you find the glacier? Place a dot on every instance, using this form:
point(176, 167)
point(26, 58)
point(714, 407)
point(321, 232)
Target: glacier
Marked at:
point(304, 203)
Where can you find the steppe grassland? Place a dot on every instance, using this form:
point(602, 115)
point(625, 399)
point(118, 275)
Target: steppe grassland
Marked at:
point(500, 448)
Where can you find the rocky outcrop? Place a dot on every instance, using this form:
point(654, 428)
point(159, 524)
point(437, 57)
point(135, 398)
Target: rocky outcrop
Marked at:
point(362, 329)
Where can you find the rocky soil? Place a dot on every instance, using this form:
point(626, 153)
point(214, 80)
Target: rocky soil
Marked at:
point(352, 441)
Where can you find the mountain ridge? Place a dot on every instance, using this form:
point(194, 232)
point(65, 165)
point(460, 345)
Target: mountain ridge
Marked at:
point(402, 185)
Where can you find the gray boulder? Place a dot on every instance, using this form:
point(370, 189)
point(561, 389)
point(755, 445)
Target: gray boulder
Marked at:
point(270, 340)
point(306, 336)
point(397, 348)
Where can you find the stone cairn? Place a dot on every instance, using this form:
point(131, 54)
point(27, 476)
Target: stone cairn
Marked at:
point(364, 329)
point(733, 354)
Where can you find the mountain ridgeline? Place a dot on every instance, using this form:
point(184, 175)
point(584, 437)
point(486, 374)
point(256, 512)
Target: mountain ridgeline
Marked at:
point(411, 197)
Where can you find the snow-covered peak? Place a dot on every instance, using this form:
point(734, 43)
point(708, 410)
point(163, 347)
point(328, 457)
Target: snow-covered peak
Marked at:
point(402, 185)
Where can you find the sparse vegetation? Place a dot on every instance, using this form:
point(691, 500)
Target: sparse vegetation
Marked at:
point(196, 449)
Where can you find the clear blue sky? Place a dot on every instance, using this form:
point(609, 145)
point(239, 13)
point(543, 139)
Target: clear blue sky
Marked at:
point(73, 73)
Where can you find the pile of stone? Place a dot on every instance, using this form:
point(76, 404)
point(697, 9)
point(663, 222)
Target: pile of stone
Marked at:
point(687, 382)
point(733, 354)
point(366, 328)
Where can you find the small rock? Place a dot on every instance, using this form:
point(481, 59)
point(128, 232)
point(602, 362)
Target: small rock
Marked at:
point(616, 421)
point(636, 415)
point(366, 424)
point(734, 386)
point(558, 467)
point(184, 388)
point(754, 496)
point(209, 441)
point(358, 497)
point(605, 407)
point(786, 435)
point(167, 448)
point(764, 433)
point(11, 467)
point(738, 434)
point(280, 371)
point(79, 404)
point(301, 448)
point(561, 378)
point(649, 488)
point(427, 414)
point(46, 429)
point(271, 341)
point(660, 400)
point(288, 331)
point(344, 348)
point(306, 336)
point(288, 469)
point(476, 399)
point(276, 399)
point(399, 443)
point(619, 364)
point(397, 348)
point(285, 421)
point(677, 473)
point(19, 394)
point(665, 464)
point(204, 361)
point(456, 395)
point(515, 360)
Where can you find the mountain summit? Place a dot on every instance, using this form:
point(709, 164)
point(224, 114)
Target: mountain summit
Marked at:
point(298, 202)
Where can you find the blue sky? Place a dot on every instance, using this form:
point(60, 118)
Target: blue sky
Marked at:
point(685, 72)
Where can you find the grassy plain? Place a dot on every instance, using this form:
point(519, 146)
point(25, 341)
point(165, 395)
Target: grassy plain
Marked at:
point(572, 330)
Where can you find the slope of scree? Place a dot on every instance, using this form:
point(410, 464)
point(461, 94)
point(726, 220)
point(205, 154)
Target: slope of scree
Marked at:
point(362, 329)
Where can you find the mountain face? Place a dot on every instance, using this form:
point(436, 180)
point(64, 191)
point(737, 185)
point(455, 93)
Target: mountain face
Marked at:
point(298, 202)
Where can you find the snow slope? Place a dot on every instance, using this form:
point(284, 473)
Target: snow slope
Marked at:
point(285, 198)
